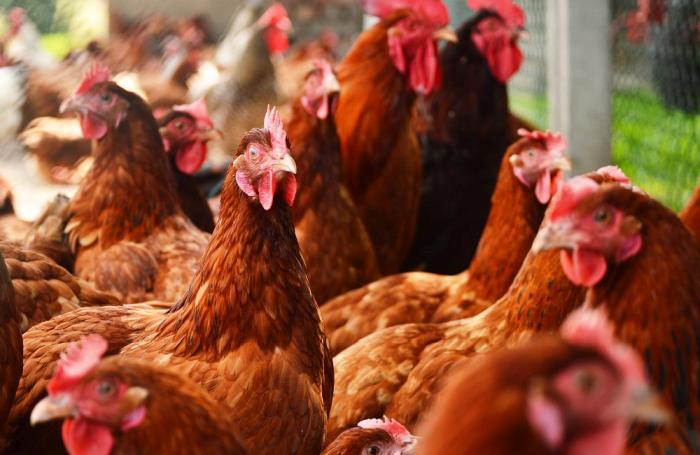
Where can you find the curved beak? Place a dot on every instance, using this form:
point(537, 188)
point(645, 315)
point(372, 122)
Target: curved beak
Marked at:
point(51, 408)
point(211, 134)
point(72, 104)
point(446, 34)
point(331, 85)
point(285, 164)
point(551, 236)
point(562, 163)
point(647, 406)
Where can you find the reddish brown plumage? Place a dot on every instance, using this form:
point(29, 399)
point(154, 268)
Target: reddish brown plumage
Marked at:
point(126, 226)
point(395, 371)
point(247, 330)
point(381, 156)
point(691, 213)
point(10, 346)
point(422, 297)
point(332, 237)
point(354, 440)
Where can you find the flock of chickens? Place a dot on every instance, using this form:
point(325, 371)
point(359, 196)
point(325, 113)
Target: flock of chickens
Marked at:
point(390, 263)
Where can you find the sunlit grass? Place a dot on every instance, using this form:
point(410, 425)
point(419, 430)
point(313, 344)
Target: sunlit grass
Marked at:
point(658, 148)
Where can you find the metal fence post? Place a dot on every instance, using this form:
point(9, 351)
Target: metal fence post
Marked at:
point(579, 84)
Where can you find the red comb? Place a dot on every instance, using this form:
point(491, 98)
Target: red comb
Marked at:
point(198, 110)
point(96, 74)
point(77, 360)
point(273, 124)
point(434, 10)
point(571, 194)
point(553, 141)
point(507, 9)
point(590, 328)
point(391, 426)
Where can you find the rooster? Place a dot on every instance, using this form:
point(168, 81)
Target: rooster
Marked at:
point(468, 130)
point(333, 240)
point(691, 213)
point(10, 345)
point(529, 175)
point(379, 78)
point(125, 223)
point(247, 329)
point(374, 437)
point(395, 371)
point(185, 130)
point(117, 405)
point(574, 392)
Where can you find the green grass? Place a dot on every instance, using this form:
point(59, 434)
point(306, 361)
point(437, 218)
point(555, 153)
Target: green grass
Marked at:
point(658, 148)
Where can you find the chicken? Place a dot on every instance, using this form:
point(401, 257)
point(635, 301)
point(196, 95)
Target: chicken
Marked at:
point(23, 41)
point(256, 342)
point(575, 392)
point(10, 345)
point(397, 59)
point(12, 229)
point(185, 130)
point(528, 177)
point(395, 371)
point(44, 289)
point(373, 437)
point(332, 237)
point(240, 83)
point(691, 213)
point(119, 405)
point(126, 226)
point(467, 133)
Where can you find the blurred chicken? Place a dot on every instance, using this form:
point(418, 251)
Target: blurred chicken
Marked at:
point(126, 226)
point(648, 255)
point(691, 213)
point(381, 75)
point(529, 176)
point(10, 346)
point(22, 41)
point(333, 240)
point(240, 83)
point(185, 130)
point(119, 405)
point(468, 130)
point(373, 437)
point(572, 393)
point(247, 329)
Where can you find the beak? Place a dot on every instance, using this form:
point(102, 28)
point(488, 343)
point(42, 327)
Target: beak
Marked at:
point(72, 104)
point(447, 34)
point(551, 236)
point(285, 164)
point(135, 396)
point(210, 135)
point(562, 163)
point(515, 160)
point(521, 33)
point(331, 85)
point(51, 408)
point(647, 406)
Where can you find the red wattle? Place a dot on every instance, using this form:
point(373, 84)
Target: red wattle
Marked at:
point(82, 437)
point(93, 126)
point(190, 158)
point(583, 267)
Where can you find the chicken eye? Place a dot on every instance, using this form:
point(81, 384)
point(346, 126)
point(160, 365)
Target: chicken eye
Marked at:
point(106, 389)
point(179, 125)
point(602, 215)
point(105, 97)
point(586, 382)
point(372, 450)
point(253, 151)
point(530, 154)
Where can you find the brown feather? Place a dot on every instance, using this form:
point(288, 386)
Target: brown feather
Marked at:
point(690, 215)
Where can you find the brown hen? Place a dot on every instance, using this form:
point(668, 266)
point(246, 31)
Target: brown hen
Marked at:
point(691, 213)
point(10, 346)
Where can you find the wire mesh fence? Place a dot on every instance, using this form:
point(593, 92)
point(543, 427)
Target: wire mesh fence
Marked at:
point(656, 78)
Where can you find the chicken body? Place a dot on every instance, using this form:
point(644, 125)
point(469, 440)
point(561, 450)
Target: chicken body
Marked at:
point(395, 371)
point(125, 224)
point(466, 137)
point(691, 213)
point(255, 344)
point(424, 297)
point(332, 237)
point(10, 345)
point(381, 155)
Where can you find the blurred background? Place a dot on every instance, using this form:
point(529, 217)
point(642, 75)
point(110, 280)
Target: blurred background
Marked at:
point(654, 55)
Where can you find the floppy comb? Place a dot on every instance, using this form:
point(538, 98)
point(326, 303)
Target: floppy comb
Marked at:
point(554, 142)
point(433, 10)
point(96, 74)
point(571, 194)
point(76, 361)
point(511, 13)
point(198, 110)
point(273, 124)
point(391, 426)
